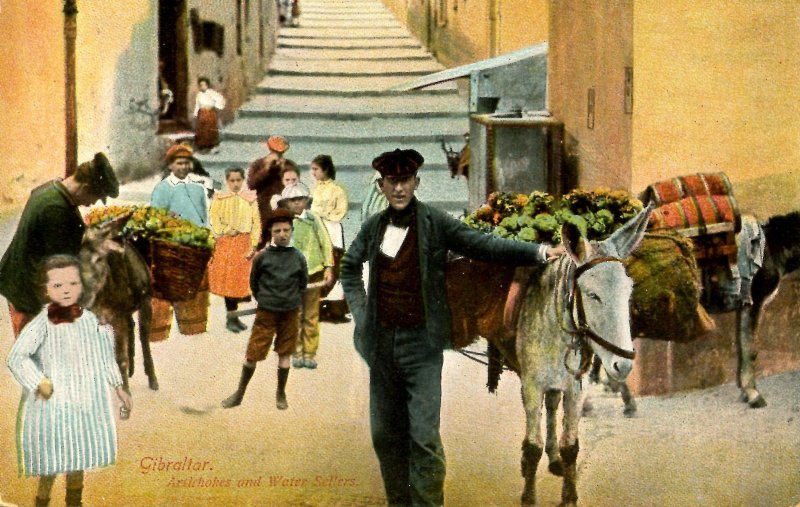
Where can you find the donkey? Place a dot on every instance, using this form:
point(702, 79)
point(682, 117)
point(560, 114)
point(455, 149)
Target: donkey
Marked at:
point(573, 308)
point(781, 256)
point(118, 284)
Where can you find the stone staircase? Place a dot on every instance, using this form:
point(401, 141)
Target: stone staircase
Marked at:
point(326, 92)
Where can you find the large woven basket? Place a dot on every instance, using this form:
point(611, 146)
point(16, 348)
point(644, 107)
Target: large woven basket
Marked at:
point(178, 271)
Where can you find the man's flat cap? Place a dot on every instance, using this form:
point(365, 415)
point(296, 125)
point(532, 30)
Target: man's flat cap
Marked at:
point(100, 176)
point(398, 163)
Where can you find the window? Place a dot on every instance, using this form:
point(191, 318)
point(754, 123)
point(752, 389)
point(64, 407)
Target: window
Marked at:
point(206, 35)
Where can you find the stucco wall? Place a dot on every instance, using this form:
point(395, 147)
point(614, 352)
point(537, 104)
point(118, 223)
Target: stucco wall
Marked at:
point(116, 81)
point(590, 47)
point(232, 74)
point(522, 23)
point(716, 89)
point(467, 31)
point(116, 60)
point(32, 80)
point(31, 75)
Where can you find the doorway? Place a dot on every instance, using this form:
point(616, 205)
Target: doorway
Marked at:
point(173, 73)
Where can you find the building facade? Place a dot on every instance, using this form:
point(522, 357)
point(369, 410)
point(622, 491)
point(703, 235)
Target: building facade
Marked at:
point(118, 83)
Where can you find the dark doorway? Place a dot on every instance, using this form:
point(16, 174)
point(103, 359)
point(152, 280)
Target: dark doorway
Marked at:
point(173, 65)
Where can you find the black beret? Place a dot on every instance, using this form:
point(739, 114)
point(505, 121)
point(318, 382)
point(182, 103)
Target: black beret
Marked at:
point(398, 163)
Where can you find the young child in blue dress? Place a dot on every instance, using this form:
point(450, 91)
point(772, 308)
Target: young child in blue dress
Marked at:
point(64, 361)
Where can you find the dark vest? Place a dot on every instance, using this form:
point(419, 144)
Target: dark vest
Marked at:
point(400, 285)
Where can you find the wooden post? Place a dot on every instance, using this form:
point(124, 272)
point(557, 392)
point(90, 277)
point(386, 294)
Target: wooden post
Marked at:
point(70, 102)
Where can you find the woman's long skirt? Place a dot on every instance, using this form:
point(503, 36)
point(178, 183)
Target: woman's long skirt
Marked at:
point(206, 133)
point(229, 269)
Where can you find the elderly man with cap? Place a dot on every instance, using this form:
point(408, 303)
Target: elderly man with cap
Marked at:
point(50, 224)
point(179, 194)
point(403, 322)
point(264, 176)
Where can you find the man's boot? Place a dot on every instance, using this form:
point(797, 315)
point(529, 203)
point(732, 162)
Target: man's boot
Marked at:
point(40, 502)
point(280, 395)
point(235, 399)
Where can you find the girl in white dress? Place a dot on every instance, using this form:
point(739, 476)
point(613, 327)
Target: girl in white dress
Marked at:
point(64, 361)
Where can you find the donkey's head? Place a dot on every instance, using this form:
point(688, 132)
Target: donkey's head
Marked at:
point(783, 240)
point(97, 244)
point(602, 291)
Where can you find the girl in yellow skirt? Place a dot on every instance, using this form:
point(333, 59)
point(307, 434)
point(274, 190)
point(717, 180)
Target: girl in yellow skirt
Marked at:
point(236, 225)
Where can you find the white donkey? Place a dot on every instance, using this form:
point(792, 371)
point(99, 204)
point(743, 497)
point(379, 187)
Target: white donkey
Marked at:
point(574, 307)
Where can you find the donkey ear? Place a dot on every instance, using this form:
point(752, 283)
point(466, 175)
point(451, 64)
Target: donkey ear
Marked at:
point(626, 239)
point(576, 245)
point(119, 222)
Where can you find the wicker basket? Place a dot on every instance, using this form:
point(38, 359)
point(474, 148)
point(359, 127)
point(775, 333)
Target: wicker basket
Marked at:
point(178, 271)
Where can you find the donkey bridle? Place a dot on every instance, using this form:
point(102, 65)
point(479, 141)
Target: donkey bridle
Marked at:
point(582, 331)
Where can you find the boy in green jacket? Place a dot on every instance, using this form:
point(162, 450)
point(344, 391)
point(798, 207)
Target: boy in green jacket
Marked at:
point(311, 238)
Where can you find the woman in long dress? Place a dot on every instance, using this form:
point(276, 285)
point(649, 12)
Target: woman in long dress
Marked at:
point(206, 105)
point(237, 228)
point(329, 202)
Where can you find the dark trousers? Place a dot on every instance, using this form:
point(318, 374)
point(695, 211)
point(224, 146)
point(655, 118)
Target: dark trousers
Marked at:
point(405, 401)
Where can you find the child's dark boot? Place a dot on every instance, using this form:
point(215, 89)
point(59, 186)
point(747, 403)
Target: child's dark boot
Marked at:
point(280, 395)
point(235, 399)
point(230, 325)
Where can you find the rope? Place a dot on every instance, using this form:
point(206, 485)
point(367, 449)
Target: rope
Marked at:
point(470, 354)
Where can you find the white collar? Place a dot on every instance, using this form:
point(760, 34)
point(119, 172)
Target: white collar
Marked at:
point(174, 180)
point(393, 239)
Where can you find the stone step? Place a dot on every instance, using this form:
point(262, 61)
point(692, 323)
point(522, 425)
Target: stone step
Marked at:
point(345, 33)
point(365, 23)
point(361, 43)
point(344, 9)
point(320, 16)
point(408, 106)
point(353, 86)
point(397, 130)
point(396, 67)
point(377, 54)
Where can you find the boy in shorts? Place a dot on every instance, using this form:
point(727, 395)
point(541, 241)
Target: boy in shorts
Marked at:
point(278, 277)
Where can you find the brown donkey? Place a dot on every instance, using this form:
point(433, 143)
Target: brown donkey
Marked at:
point(117, 281)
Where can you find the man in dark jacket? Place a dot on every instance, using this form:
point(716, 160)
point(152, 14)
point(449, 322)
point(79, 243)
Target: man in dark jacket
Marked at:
point(403, 322)
point(50, 224)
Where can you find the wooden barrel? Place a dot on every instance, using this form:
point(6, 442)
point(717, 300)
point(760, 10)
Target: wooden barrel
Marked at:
point(192, 315)
point(675, 189)
point(696, 212)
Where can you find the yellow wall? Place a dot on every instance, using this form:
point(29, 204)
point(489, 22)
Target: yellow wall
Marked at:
point(522, 23)
point(31, 98)
point(32, 84)
point(717, 88)
point(464, 31)
point(589, 48)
